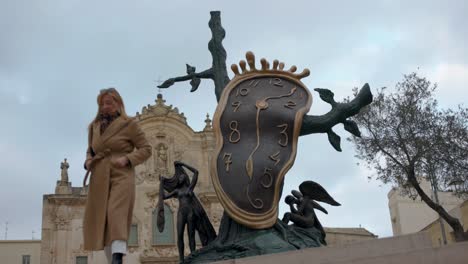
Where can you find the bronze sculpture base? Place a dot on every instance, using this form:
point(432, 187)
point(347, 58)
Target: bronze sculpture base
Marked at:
point(237, 241)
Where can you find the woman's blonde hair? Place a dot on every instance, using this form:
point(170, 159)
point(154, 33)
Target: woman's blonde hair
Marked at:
point(117, 98)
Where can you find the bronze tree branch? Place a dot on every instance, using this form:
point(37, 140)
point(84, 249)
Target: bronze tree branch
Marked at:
point(339, 113)
point(218, 71)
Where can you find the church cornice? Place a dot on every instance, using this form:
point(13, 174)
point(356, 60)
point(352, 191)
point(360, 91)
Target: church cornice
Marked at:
point(61, 199)
point(160, 109)
point(167, 114)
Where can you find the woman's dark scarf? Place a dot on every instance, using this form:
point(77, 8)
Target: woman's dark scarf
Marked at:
point(106, 119)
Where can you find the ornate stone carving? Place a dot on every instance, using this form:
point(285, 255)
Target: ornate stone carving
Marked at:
point(161, 158)
point(72, 200)
point(152, 201)
point(178, 154)
point(159, 252)
point(160, 109)
point(61, 217)
point(139, 177)
point(208, 126)
point(79, 251)
point(165, 251)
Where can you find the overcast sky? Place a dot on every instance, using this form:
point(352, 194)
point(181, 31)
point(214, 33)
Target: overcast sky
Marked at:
point(56, 55)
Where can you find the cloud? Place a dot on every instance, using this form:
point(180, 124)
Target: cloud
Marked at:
point(452, 80)
point(15, 90)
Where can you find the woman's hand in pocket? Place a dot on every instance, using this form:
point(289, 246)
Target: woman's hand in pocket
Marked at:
point(121, 162)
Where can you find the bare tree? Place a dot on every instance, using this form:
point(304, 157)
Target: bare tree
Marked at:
point(407, 138)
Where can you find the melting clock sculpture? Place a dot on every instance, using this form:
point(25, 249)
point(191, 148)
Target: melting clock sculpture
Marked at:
point(261, 113)
point(257, 124)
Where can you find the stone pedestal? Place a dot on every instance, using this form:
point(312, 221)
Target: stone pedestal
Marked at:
point(63, 188)
point(414, 249)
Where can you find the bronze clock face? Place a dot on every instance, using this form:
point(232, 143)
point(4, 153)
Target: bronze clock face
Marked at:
point(257, 125)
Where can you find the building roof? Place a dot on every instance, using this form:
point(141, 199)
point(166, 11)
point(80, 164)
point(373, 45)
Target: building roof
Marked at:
point(21, 241)
point(358, 231)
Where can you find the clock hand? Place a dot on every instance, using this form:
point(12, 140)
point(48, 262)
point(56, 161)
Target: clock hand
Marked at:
point(262, 105)
point(249, 163)
point(293, 90)
point(256, 203)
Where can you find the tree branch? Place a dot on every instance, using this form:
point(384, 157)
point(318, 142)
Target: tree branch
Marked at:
point(338, 114)
point(402, 143)
point(377, 142)
point(218, 71)
point(195, 77)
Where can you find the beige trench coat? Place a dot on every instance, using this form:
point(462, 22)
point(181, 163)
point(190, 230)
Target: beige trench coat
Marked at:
point(111, 194)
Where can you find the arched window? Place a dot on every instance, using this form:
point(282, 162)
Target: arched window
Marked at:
point(167, 236)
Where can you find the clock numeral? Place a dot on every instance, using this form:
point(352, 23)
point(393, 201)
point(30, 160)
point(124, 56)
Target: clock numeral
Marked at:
point(300, 95)
point(290, 104)
point(267, 179)
point(284, 140)
point(254, 83)
point(227, 160)
point(276, 82)
point(236, 105)
point(235, 135)
point(242, 91)
point(275, 157)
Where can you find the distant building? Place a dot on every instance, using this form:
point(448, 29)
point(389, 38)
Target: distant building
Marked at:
point(340, 236)
point(172, 139)
point(20, 251)
point(412, 215)
point(435, 231)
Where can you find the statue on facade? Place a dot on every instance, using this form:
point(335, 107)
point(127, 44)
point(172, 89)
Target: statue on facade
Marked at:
point(64, 173)
point(191, 213)
point(161, 157)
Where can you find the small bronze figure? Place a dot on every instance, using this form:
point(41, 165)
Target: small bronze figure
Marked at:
point(191, 212)
point(304, 215)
